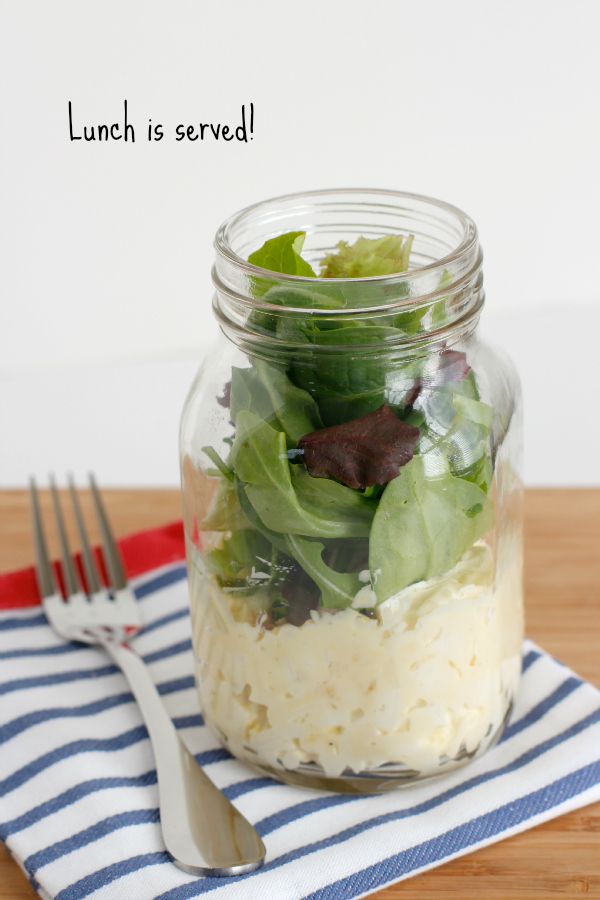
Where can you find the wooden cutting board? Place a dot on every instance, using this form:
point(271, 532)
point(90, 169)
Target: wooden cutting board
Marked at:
point(562, 590)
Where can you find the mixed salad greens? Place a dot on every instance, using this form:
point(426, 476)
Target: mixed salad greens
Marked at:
point(352, 474)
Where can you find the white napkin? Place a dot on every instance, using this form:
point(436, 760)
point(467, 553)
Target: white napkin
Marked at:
point(79, 802)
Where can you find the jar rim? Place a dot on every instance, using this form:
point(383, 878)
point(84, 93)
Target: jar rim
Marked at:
point(444, 285)
point(468, 242)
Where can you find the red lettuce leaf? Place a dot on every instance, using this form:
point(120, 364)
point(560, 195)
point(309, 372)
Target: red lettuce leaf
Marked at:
point(453, 366)
point(366, 451)
point(225, 399)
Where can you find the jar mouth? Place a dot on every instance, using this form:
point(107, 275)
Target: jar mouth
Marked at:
point(331, 215)
point(442, 286)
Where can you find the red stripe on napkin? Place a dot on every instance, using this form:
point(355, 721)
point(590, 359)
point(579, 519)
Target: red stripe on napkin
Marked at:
point(141, 551)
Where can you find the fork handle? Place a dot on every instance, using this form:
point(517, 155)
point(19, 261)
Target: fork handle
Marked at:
point(204, 833)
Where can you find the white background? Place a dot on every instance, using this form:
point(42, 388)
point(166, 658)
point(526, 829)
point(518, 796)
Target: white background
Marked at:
point(106, 248)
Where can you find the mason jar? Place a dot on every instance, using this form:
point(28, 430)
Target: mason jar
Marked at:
point(350, 458)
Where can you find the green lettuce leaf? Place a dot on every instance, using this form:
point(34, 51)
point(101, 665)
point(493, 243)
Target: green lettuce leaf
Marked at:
point(367, 257)
point(455, 427)
point(423, 526)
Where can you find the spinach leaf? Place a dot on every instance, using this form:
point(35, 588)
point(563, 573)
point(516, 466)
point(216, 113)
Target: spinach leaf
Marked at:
point(337, 590)
point(346, 385)
point(351, 333)
point(265, 390)
point(285, 325)
point(302, 298)
point(290, 500)
point(423, 526)
point(334, 502)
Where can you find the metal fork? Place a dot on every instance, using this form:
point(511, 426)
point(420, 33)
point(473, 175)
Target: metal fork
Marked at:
point(204, 833)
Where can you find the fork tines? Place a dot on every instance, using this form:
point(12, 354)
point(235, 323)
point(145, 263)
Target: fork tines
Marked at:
point(73, 584)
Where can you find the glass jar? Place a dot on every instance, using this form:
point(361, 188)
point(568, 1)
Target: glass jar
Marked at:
point(356, 596)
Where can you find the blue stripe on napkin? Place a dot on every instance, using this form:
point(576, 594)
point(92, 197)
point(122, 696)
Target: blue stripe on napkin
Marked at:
point(72, 796)
point(449, 844)
point(79, 802)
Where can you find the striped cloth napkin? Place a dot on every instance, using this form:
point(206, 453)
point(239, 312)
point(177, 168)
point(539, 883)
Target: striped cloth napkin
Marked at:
point(78, 795)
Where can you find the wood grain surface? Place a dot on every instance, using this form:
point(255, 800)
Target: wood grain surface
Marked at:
point(562, 590)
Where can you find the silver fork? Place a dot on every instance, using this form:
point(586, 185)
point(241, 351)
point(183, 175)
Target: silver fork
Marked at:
point(204, 833)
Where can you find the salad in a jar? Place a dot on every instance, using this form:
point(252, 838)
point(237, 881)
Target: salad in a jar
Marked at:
point(356, 613)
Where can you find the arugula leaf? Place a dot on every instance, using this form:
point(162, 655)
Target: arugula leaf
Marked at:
point(368, 257)
point(289, 500)
point(343, 554)
point(295, 597)
point(276, 538)
point(238, 560)
point(346, 554)
point(221, 466)
point(282, 254)
point(423, 526)
point(296, 592)
point(265, 390)
point(337, 590)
